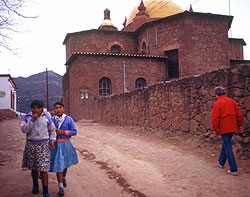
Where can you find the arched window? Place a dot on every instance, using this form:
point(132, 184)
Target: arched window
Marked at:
point(143, 49)
point(115, 49)
point(105, 86)
point(140, 83)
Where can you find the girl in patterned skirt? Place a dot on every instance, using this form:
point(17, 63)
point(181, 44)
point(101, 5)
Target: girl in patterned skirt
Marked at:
point(40, 136)
point(64, 154)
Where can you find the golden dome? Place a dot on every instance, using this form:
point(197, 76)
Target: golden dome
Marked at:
point(157, 9)
point(107, 23)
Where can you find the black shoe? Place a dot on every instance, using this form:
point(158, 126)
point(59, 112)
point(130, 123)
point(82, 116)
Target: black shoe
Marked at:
point(46, 195)
point(35, 190)
point(61, 192)
point(64, 183)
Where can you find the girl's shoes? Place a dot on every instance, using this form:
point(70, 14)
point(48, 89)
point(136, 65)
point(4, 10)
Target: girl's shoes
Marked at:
point(35, 190)
point(61, 192)
point(64, 183)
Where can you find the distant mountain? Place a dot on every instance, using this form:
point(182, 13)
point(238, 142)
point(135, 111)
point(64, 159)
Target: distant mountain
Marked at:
point(34, 87)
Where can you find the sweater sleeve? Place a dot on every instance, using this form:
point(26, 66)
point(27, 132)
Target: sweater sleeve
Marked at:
point(215, 117)
point(72, 128)
point(51, 129)
point(27, 124)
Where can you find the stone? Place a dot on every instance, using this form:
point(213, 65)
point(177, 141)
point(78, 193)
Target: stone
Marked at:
point(193, 125)
point(207, 120)
point(212, 136)
point(247, 103)
point(246, 140)
point(236, 139)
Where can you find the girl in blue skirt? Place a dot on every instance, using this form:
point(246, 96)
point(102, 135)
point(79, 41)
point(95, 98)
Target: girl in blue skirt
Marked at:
point(64, 154)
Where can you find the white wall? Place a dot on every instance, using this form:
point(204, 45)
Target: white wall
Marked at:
point(5, 89)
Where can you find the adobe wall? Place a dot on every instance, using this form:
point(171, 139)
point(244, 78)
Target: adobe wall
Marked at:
point(179, 106)
point(99, 41)
point(83, 76)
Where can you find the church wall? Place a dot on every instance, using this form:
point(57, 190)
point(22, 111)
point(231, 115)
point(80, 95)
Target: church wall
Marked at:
point(236, 50)
point(205, 45)
point(202, 42)
point(65, 88)
point(99, 42)
point(86, 71)
point(176, 107)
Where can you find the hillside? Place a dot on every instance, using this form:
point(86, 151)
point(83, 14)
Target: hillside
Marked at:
point(34, 87)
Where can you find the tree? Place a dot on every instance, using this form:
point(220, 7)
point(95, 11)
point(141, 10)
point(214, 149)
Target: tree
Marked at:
point(10, 13)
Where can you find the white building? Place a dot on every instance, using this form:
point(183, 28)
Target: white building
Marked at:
point(7, 96)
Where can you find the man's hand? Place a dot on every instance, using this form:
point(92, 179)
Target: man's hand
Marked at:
point(52, 145)
point(60, 132)
point(215, 133)
point(239, 129)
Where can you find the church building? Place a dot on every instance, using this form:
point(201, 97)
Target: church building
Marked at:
point(158, 42)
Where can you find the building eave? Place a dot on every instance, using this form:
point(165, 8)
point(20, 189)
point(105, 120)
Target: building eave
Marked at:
point(94, 31)
point(238, 40)
point(76, 54)
point(187, 13)
point(10, 79)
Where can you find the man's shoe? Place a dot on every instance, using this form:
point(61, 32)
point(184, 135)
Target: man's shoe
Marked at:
point(46, 195)
point(232, 173)
point(61, 192)
point(35, 190)
point(220, 166)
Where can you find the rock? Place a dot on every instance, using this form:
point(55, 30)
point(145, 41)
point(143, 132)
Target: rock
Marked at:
point(237, 148)
point(246, 140)
point(212, 136)
point(207, 134)
point(236, 139)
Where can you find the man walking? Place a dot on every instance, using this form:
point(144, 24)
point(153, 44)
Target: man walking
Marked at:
point(226, 120)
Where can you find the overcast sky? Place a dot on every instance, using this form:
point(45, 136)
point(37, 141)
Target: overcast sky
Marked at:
point(40, 42)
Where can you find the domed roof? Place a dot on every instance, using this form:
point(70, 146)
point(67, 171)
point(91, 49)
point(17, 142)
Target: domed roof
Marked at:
point(107, 23)
point(157, 9)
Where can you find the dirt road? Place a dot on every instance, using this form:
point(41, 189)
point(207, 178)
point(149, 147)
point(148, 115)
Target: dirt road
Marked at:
point(116, 161)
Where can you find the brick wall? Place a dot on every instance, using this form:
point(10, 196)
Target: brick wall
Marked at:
point(202, 42)
point(177, 106)
point(99, 41)
point(236, 49)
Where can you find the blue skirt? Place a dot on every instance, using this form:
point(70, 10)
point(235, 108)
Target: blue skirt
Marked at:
point(63, 156)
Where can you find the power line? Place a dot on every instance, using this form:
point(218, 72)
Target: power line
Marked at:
point(155, 5)
point(162, 6)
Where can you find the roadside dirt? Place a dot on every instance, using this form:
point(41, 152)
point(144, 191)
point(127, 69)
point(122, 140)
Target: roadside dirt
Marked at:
point(117, 161)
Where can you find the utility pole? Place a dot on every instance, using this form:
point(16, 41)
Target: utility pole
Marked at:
point(47, 88)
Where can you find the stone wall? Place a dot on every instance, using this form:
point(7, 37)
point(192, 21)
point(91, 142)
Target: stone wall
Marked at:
point(178, 106)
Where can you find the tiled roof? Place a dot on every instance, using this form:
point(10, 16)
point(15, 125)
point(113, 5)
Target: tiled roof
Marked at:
point(74, 56)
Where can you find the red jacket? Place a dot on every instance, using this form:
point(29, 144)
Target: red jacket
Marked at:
point(226, 115)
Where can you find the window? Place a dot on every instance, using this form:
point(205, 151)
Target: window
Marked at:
point(172, 64)
point(115, 49)
point(140, 83)
point(143, 49)
point(105, 87)
point(84, 94)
